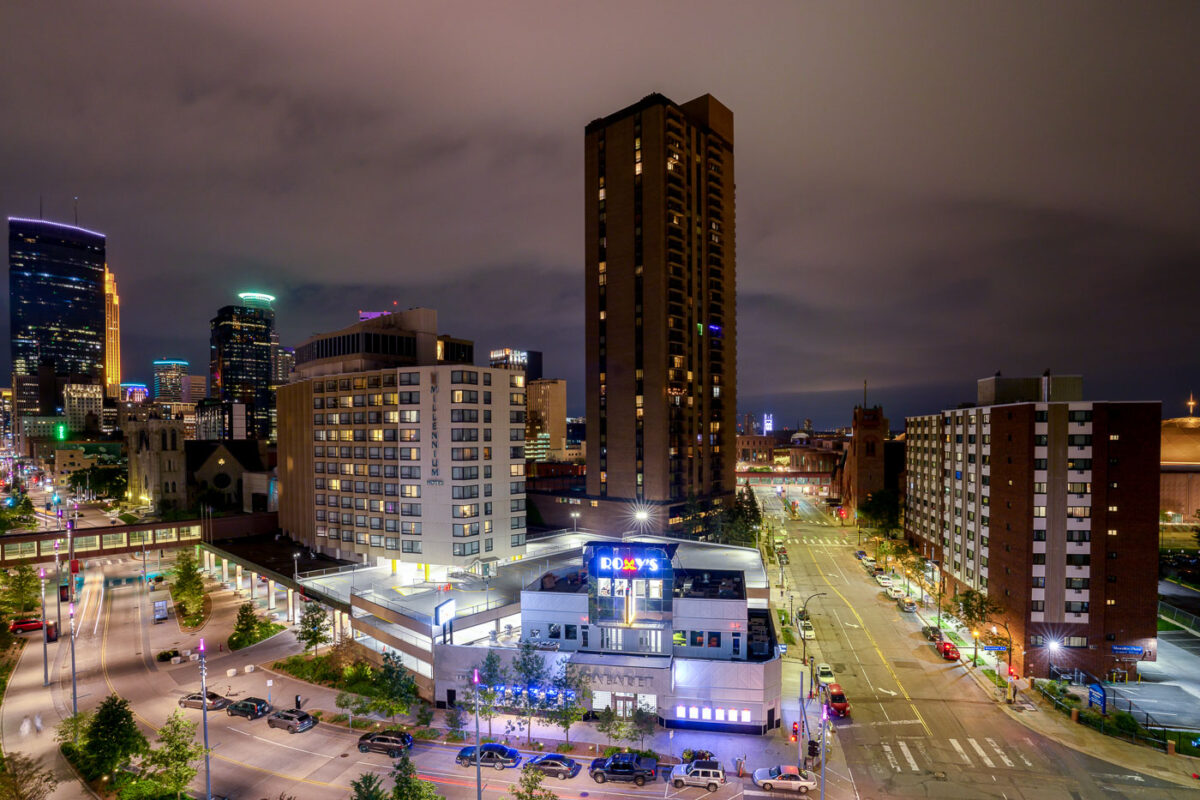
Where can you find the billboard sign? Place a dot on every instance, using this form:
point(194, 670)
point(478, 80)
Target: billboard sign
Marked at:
point(629, 584)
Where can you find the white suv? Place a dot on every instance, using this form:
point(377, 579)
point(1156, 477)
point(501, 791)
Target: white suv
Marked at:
point(709, 774)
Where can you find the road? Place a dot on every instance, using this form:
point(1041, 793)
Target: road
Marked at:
point(919, 726)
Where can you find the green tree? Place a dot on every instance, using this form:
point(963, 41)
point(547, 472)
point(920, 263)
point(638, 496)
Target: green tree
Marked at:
point(25, 778)
point(881, 511)
point(573, 696)
point(424, 714)
point(409, 785)
point(612, 725)
point(491, 674)
point(456, 720)
point(175, 761)
point(396, 688)
point(352, 704)
point(244, 627)
point(189, 584)
point(643, 723)
point(367, 787)
point(529, 669)
point(73, 727)
point(22, 589)
point(112, 737)
point(313, 628)
point(975, 608)
point(529, 786)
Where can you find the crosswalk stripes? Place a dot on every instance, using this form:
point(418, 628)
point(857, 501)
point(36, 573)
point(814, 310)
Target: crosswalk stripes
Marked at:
point(915, 753)
point(1007, 762)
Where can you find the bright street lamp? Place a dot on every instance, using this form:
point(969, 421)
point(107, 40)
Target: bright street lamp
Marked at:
point(574, 521)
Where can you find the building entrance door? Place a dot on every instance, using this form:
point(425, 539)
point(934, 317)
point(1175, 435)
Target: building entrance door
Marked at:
point(624, 705)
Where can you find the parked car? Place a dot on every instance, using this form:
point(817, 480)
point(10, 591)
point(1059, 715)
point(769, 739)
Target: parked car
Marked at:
point(250, 708)
point(556, 764)
point(947, 650)
point(196, 700)
point(932, 633)
point(783, 560)
point(868, 562)
point(628, 767)
point(293, 719)
point(391, 743)
point(895, 591)
point(860, 554)
point(838, 703)
point(883, 580)
point(806, 629)
point(24, 625)
point(490, 755)
point(824, 674)
point(907, 604)
point(785, 777)
point(709, 774)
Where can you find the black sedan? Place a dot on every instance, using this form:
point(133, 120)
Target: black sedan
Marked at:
point(391, 743)
point(932, 633)
point(556, 764)
point(196, 700)
point(490, 755)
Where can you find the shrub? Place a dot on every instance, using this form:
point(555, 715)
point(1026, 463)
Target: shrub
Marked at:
point(1125, 722)
point(166, 655)
point(612, 751)
point(564, 747)
point(425, 733)
point(458, 736)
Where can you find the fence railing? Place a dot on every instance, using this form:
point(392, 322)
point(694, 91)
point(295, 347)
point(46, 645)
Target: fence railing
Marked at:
point(1179, 616)
point(1128, 724)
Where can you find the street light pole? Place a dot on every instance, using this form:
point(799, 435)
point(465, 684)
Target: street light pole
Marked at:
point(574, 521)
point(57, 589)
point(74, 686)
point(204, 715)
point(478, 766)
point(804, 614)
point(45, 633)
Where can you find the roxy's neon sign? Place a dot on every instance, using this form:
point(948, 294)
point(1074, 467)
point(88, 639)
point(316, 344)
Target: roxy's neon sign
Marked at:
point(629, 564)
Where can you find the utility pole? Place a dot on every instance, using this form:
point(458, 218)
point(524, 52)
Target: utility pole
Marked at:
point(478, 767)
point(45, 633)
point(803, 639)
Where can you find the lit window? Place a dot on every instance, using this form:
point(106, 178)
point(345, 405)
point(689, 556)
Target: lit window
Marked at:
point(706, 713)
point(732, 715)
point(745, 715)
point(1112, 508)
point(693, 713)
point(680, 712)
point(720, 715)
point(1114, 437)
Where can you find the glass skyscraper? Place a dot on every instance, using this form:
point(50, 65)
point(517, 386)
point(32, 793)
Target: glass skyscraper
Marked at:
point(56, 297)
point(240, 358)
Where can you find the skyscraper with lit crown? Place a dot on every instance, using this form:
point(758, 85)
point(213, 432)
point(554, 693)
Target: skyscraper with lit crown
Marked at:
point(240, 358)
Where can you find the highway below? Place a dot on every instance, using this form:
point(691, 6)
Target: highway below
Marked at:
point(920, 726)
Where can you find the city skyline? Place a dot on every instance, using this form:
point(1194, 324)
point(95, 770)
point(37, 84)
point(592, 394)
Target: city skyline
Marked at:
point(896, 206)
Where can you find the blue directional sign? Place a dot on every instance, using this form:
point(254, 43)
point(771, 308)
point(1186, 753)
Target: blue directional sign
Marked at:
point(993, 647)
point(1097, 696)
point(1127, 650)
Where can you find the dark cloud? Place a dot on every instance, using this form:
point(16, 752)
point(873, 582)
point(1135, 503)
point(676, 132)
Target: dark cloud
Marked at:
point(926, 193)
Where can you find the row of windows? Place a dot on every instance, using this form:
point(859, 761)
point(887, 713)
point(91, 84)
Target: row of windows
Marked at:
point(708, 713)
point(386, 542)
point(368, 382)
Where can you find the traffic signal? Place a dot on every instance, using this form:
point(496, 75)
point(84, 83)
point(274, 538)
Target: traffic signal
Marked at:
point(1012, 672)
point(814, 749)
point(795, 731)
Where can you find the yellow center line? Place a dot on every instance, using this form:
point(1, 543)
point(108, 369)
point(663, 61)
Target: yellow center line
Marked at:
point(874, 644)
point(113, 690)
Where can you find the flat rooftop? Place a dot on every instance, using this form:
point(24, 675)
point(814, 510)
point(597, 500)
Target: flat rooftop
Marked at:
point(558, 554)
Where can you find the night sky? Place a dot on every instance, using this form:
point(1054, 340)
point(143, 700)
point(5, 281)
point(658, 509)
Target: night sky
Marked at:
point(927, 192)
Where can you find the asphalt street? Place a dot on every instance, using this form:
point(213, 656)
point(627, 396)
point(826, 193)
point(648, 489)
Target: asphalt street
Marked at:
point(920, 726)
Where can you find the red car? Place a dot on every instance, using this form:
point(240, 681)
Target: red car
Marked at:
point(23, 625)
point(947, 650)
point(838, 703)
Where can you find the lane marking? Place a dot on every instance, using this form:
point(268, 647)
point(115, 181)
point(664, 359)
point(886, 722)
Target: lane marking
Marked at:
point(887, 751)
point(975, 745)
point(912, 762)
point(1007, 761)
point(961, 753)
point(874, 644)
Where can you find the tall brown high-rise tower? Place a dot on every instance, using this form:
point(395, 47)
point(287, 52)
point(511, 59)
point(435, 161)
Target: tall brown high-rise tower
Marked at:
point(661, 322)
